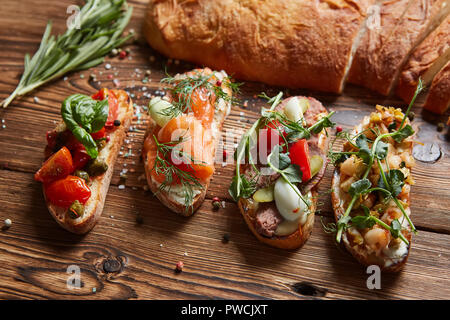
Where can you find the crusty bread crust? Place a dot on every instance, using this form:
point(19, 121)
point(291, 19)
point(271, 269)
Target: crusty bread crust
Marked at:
point(383, 51)
point(298, 238)
point(438, 99)
point(359, 254)
point(99, 185)
point(306, 44)
point(426, 61)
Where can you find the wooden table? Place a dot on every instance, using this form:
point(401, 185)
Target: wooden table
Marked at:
point(126, 258)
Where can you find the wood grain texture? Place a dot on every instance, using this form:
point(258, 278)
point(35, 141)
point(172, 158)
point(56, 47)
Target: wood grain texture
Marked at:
point(35, 252)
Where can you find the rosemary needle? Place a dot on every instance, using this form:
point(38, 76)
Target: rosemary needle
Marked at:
point(101, 25)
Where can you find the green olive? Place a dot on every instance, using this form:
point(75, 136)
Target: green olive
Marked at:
point(97, 167)
point(76, 210)
point(82, 174)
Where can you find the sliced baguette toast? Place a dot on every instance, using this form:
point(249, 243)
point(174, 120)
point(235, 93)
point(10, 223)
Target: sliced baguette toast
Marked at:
point(99, 185)
point(222, 109)
point(249, 208)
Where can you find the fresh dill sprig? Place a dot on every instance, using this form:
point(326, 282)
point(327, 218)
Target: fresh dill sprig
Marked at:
point(163, 166)
point(183, 88)
point(101, 25)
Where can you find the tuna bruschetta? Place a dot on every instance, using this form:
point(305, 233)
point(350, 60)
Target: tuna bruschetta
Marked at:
point(371, 189)
point(181, 139)
point(280, 161)
point(80, 155)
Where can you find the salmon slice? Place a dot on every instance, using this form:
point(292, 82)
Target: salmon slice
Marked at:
point(190, 147)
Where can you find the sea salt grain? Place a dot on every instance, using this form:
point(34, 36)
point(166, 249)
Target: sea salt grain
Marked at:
point(107, 66)
point(121, 187)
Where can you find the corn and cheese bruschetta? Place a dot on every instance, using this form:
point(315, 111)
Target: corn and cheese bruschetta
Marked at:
point(280, 161)
point(182, 136)
point(371, 189)
point(80, 154)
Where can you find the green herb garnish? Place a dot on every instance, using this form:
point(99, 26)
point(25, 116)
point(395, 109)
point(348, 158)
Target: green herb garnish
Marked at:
point(82, 116)
point(183, 88)
point(101, 24)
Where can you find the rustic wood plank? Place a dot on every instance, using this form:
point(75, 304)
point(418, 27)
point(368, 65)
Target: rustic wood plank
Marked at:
point(36, 254)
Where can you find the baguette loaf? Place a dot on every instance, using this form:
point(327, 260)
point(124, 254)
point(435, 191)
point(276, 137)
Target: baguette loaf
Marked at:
point(384, 50)
point(306, 44)
point(426, 61)
point(438, 99)
point(100, 184)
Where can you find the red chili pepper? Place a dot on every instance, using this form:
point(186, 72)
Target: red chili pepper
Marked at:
point(299, 154)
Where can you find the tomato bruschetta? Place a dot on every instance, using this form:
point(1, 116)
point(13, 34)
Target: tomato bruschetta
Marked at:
point(182, 135)
point(80, 156)
point(371, 189)
point(280, 161)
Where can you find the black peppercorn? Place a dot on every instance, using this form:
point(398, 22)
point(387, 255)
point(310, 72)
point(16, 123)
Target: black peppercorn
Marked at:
point(226, 238)
point(117, 122)
point(440, 126)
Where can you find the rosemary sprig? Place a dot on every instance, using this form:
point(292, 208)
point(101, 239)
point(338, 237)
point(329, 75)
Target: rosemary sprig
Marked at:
point(169, 170)
point(101, 24)
point(182, 90)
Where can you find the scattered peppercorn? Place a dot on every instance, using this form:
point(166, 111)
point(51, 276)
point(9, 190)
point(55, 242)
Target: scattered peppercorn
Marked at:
point(117, 122)
point(411, 116)
point(224, 154)
point(226, 238)
point(216, 203)
point(440, 126)
point(122, 54)
point(114, 52)
point(8, 223)
point(219, 83)
point(338, 129)
point(139, 219)
point(179, 267)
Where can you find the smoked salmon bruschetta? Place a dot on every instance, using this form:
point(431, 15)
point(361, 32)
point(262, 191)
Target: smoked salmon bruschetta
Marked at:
point(80, 155)
point(280, 161)
point(371, 189)
point(182, 136)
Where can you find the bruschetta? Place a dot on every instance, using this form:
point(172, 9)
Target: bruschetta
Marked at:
point(371, 189)
point(182, 136)
point(280, 161)
point(80, 154)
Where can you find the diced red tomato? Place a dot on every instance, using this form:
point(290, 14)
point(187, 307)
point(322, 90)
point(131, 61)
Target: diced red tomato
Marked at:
point(299, 154)
point(99, 134)
point(80, 158)
point(51, 138)
point(64, 192)
point(58, 166)
point(113, 104)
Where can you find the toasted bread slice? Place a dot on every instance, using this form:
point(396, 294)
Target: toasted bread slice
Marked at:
point(99, 185)
point(249, 208)
point(354, 240)
point(167, 197)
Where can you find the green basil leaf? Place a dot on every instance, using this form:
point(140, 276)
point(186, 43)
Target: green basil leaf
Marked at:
point(403, 133)
point(361, 142)
point(293, 173)
point(365, 155)
point(358, 187)
point(83, 115)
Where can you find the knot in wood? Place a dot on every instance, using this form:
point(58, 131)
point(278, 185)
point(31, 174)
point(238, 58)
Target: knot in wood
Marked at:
point(111, 265)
